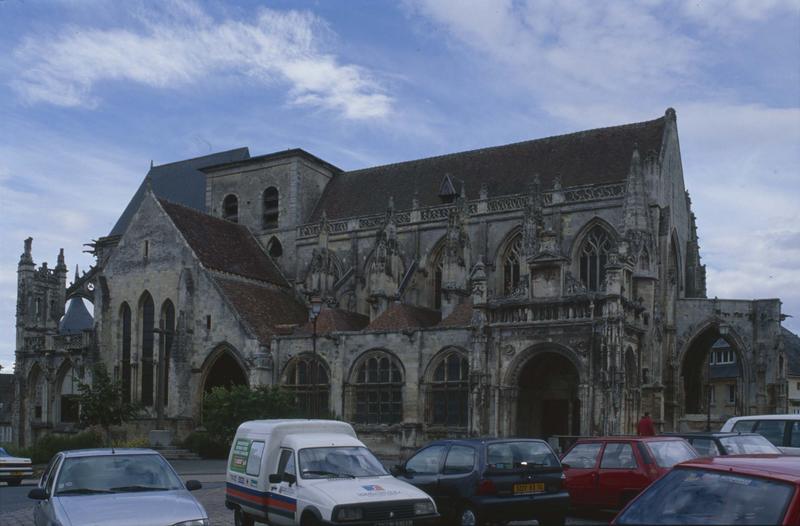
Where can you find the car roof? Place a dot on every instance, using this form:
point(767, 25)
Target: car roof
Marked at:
point(482, 441)
point(300, 441)
point(782, 467)
point(786, 416)
point(635, 438)
point(101, 452)
point(712, 434)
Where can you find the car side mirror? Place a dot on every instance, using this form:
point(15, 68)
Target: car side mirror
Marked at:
point(288, 477)
point(38, 494)
point(564, 465)
point(192, 485)
point(396, 470)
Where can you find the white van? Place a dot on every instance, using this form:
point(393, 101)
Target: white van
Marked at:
point(313, 472)
point(781, 430)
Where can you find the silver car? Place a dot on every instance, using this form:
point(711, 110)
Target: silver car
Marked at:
point(115, 487)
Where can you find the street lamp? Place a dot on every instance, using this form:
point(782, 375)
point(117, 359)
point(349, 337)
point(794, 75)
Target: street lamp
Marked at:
point(316, 307)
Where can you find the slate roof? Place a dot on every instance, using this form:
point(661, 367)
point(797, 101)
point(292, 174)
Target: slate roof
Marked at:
point(588, 157)
point(791, 347)
point(400, 316)
point(460, 317)
point(223, 245)
point(77, 318)
point(179, 182)
point(336, 320)
point(263, 307)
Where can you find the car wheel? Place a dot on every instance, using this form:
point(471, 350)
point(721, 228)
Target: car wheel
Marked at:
point(15, 482)
point(309, 519)
point(240, 518)
point(468, 517)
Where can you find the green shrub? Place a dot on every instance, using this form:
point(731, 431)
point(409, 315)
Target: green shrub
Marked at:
point(43, 450)
point(224, 409)
point(201, 443)
point(132, 442)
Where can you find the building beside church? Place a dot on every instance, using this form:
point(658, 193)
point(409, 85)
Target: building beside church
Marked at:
point(551, 287)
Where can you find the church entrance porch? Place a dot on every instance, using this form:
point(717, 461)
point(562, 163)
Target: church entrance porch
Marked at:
point(224, 371)
point(548, 403)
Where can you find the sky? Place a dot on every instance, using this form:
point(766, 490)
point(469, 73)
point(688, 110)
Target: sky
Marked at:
point(92, 91)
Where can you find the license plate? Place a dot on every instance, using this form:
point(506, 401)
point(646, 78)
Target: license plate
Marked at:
point(523, 489)
point(394, 523)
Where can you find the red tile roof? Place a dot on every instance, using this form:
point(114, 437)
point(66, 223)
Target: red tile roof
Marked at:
point(266, 309)
point(401, 316)
point(334, 320)
point(461, 315)
point(223, 245)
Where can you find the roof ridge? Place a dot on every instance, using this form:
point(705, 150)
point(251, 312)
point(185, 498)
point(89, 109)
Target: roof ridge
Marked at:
point(499, 146)
point(182, 161)
point(198, 212)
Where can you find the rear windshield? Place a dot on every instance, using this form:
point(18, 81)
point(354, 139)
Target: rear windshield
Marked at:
point(670, 452)
point(519, 455)
point(696, 496)
point(748, 445)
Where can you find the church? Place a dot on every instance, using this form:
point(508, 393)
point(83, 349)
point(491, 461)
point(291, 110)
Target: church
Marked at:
point(549, 288)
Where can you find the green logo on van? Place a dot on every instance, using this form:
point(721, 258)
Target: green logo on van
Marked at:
point(241, 450)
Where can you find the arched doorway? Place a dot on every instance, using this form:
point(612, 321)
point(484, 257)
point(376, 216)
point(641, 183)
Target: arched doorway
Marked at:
point(224, 371)
point(712, 377)
point(548, 403)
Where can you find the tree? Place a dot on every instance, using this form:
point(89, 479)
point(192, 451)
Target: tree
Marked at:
point(224, 409)
point(102, 403)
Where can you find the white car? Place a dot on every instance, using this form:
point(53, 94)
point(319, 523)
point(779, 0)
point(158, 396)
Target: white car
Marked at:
point(313, 472)
point(782, 430)
point(14, 469)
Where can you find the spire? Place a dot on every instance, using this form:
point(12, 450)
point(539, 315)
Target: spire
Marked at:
point(26, 258)
point(635, 206)
point(76, 274)
point(60, 265)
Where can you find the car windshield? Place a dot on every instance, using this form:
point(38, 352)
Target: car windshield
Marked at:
point(697, 496)
point(670, 452)
point(4, 453)
point(748, 445)
point(331, 462)
point(519, 455)
point(115, 474)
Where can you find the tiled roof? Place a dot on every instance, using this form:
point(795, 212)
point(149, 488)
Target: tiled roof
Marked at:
point(589, 157)
point(460, 317)
point(791, 347)
point(77, 318)
point(223, 245)
point(266, 309)
point(401, 316)
point(335, 320)
point(179, 182)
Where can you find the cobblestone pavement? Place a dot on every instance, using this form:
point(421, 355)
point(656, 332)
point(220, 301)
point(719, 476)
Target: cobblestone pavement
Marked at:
point(212, 496)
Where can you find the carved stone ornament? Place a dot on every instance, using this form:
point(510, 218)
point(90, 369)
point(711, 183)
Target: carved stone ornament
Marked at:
point(508, 350)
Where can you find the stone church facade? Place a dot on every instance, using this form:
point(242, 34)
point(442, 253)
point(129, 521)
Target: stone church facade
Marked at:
point(548, 288)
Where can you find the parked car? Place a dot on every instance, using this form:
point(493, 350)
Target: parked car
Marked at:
point(782, 430)
point(479, 480)
point(722, 490)
point(606, 472)
point(314, 472)
point(716, 444)
point(14, 469)
point(114, 487)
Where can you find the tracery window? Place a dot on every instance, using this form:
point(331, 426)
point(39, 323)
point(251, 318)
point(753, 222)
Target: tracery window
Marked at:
point(511, 265)
point(125, 315)
point(644, 259)
point(148, 316)
point(438, 270)
point(69, 397)
point(307, 378)
point(165, 341)
point(230, 208)
point(449, 393)
point(270, 208)
point(593, 258)
point(379, 390)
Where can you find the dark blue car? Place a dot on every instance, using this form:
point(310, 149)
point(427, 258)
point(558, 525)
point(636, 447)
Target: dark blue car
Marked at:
point(480, 481)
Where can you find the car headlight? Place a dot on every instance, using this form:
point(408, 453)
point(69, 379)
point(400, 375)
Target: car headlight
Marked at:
point(424, 508)
point(349, 514)
point(196, 522)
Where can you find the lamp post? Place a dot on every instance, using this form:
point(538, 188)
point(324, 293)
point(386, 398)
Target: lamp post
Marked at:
point(316, 307)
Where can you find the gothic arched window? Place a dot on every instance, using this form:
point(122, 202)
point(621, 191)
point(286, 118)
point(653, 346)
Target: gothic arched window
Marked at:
point(147, 311)
point(438, 270)
point(69, 397)
point(270, 208)
point(230, 208)
point(274, 248)
point(308, 379)
point(511, 266)
point(593, 258)
point(379, 389)
point(125, 319)
point(167, 325)
point(449, 394)
point(644, 259)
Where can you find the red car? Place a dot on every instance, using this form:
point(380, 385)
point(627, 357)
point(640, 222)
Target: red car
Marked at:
point(607, 472)
point(747, 489)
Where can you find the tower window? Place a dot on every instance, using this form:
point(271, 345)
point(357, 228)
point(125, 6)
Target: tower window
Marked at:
point(230, 208)
point(594, 256)
point(270, 208)
point(511, 259)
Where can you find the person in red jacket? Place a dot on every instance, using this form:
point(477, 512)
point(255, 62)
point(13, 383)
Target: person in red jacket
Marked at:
point(645, 426)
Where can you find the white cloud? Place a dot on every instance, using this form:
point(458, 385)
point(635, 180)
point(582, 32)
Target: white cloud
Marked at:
point(181, 46)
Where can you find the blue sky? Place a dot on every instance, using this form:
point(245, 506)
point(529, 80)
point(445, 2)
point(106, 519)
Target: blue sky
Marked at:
point(91, 91)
